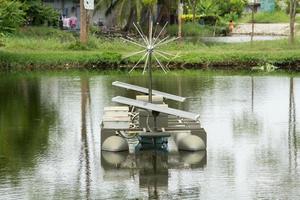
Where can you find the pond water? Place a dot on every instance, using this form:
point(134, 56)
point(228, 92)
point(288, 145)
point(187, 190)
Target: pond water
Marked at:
point(50, 139)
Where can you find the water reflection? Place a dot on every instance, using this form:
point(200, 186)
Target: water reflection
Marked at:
point(292, 138)
point(151, 167)
point(25, 122)
point(50, 140)
point(85, 169)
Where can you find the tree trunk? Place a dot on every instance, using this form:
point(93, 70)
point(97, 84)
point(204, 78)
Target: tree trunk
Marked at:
point(252, 28)
point(130, 20)
point(194, 10)
point(83, 23)
point(179, 19)
point(293, 5)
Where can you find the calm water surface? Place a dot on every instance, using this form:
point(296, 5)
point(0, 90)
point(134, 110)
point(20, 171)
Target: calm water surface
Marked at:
point(50, 140)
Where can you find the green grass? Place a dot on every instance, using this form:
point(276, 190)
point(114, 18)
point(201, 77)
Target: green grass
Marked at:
point(266, 17)
point(40, 49)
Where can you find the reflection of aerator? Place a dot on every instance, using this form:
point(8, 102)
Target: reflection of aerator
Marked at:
point(147, 118)
point(150, 166)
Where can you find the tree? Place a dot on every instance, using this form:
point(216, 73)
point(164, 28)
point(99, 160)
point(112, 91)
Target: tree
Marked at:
point(211, 11)
point(12, 16)
point(293, 6)
point(127, 11)
point(193, 4)
point(38, 14)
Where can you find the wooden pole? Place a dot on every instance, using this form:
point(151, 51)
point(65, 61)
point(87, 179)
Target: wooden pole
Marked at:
point(252, 32)
point(293, 5)
point(179, 19)
point(83, 24)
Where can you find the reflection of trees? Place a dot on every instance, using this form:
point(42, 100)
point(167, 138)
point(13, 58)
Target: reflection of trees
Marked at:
point(24, 123)
point(292, 138)
point(85, 165)
point(247, 122)
point(252, 93)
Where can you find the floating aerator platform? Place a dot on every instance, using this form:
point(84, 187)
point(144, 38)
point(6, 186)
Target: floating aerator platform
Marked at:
point(147, 119)
point(151, 123)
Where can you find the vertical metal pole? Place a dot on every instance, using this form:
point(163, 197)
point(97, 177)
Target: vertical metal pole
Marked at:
point(150, 48)
point(150, 78)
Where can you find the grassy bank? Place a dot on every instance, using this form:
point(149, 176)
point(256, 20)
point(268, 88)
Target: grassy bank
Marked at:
point(267, 17)
point(37, 48)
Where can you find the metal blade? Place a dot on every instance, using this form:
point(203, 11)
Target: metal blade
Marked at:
point(146, 62)
point(162, 52)
point(142, 58)
point(161, 66)
point(166, 42)
point(133, 54)
point(137, 44)
point(162, 40)
point(144, 38)
point(161, 55)
point(160, 32)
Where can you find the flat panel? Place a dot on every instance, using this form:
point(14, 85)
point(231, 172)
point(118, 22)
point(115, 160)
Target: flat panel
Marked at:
point(154, 107)
point(146, 91)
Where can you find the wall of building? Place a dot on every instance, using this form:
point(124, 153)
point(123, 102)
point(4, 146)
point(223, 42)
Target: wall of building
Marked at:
point(267, 5)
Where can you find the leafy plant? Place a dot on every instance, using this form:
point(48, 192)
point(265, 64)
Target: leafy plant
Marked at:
point(39, 14)
point(12, 15)
point(126, 11)
point(189, 17)
point(191, 30)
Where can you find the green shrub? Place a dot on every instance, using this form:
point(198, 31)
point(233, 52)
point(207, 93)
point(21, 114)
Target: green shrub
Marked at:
point(43, 32)
point(78, 46)
point(39, 14)
point(196, 30)
point(189, 17)
point(231, 6)
point(220, 7)
point(11, 15)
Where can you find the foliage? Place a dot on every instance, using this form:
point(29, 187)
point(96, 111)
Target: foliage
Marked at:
point(220, 7)
point(43, 32)
point(209, 8)
point(281, 5)
point(189, 17)
point(39, 14)
point(218, 13)
point(12, 16)
point(149, 2)
point(125, 9)
point(196, 30)
point(77, 45)
point(231, 6)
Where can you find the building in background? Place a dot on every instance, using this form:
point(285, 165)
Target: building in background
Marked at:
point(71, 8)
point(267, 5)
